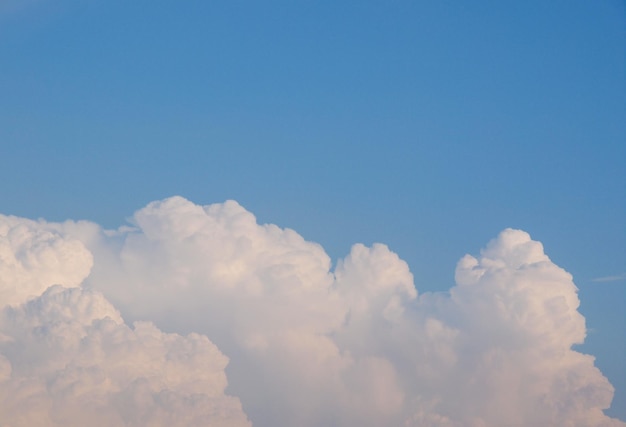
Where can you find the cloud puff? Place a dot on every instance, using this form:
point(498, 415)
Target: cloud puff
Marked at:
point(34, 256)
point(68, 359)
point(307, 345)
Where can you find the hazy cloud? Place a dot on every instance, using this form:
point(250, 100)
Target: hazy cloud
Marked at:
point(306, 346)
point(616, 278)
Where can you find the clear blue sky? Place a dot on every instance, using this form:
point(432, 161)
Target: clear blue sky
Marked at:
point(428, 126)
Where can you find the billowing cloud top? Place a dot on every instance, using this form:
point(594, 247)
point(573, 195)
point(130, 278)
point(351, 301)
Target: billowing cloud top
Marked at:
point(261, 332)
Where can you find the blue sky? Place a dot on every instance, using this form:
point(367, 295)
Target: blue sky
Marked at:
point(428, 126)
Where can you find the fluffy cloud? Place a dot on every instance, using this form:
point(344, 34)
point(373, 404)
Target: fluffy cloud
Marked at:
point(68, 359)
point(306, 345)
point(33, 256)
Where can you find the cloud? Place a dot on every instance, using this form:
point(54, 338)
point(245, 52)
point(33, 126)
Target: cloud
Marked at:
point(34, 256)
point(306, 345)
point(615, 278)
point(68, 359)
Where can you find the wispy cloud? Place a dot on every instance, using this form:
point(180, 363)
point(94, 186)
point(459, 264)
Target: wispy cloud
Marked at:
point(615, 278)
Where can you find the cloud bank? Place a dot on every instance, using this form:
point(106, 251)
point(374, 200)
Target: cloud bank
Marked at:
point(198, 316)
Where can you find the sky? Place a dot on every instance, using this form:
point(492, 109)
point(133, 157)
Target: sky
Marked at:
point(428, 127)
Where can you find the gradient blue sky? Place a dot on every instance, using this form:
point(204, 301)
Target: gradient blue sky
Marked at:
point(428, 126)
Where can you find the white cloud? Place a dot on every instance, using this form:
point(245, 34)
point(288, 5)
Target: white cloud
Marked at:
point(307, 346)
point(34, 256)
point(68, 359)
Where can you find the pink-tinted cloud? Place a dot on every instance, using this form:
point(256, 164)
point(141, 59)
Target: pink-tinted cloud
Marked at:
point(307, 345)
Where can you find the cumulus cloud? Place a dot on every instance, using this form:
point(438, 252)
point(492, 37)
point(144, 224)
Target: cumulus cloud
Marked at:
point(68, 359)
point(33, 256)
point(306, 345)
